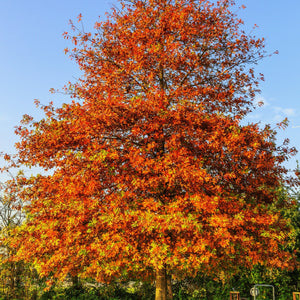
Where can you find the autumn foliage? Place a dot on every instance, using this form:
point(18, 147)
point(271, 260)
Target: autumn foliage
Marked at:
point(150, 167)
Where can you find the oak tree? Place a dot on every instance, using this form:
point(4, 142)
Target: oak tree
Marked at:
point(151, 171)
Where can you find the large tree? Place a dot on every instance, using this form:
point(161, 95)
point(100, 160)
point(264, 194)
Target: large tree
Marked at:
point(151, 171)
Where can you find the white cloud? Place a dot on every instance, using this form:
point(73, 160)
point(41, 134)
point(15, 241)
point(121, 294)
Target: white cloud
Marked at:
point(278, 118)
point(270, 113)
point(260, 101)
point(289, 111)
point(254, 116)
point(285, 111)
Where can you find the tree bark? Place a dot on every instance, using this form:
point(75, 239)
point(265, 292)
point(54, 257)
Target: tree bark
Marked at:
point(161, 284)
point(75, 281)
point(169, 288)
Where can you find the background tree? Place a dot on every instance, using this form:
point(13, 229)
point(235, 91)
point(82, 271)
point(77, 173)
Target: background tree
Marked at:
point(15, 275)
point(152, 172)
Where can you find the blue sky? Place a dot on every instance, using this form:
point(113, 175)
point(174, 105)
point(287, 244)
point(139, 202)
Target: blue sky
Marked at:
point(33, 60)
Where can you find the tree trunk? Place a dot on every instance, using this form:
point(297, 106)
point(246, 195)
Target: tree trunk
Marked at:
point(161, 284)
point(76, 282)
point(169, 287)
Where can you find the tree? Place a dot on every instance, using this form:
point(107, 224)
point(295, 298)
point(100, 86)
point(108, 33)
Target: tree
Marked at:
point(11, 216)
point(152, 173)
